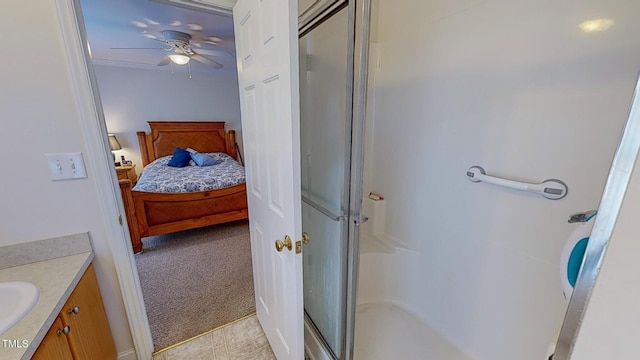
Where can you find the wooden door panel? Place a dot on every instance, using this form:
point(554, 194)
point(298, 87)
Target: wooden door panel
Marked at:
point(266, 40)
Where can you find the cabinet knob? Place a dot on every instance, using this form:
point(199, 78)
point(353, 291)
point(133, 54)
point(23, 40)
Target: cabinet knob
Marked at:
point(75, 310)
point(65, 330)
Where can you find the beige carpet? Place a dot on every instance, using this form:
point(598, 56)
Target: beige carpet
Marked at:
point(196, 280)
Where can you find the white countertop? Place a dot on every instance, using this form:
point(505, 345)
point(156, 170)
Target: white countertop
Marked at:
point(56, 278)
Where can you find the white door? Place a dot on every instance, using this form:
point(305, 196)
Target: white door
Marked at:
point(267, 58)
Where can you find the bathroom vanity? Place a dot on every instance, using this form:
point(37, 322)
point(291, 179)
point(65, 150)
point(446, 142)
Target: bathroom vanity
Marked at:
point(68, 320)
point(81, 330)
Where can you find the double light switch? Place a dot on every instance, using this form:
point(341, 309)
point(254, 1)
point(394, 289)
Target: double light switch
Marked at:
point(66, 166)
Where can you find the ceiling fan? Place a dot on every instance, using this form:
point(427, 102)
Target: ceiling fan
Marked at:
point(181, 52)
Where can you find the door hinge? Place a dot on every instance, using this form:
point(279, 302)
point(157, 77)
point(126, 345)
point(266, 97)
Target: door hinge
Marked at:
point(120, 219)
point(582, 217)
point(298, 247)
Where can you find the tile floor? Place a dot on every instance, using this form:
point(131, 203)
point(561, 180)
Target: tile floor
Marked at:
point(242, 340)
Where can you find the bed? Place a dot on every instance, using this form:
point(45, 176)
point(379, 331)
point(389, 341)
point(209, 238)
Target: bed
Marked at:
point(154, 213)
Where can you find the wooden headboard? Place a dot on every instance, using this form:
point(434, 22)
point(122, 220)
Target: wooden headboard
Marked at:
point(203, 136)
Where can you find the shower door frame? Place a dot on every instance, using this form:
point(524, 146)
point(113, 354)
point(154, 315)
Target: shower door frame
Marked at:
point(608, 211)
point(361, 28)
point(359, 16)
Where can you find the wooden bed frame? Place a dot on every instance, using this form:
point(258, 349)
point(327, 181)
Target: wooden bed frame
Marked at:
point(151, 213)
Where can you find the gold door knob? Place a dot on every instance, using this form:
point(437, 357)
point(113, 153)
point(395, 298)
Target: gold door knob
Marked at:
point(305, 238)
point(287, 243)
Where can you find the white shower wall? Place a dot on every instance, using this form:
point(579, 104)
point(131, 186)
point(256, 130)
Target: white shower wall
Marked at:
point(517, 88)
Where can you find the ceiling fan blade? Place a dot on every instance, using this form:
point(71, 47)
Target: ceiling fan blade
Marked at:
point(196, 37)
point(204, 60)
point(211, 44)
point(220, 53)
point(165, 61)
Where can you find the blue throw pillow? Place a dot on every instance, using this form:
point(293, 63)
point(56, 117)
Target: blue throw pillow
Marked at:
point(204, 160)
point(180, 158)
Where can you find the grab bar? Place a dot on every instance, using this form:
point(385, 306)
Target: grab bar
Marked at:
point(552, 189)
point(323, 210)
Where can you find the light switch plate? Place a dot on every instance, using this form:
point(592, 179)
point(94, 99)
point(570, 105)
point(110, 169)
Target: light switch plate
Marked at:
point(66, 166)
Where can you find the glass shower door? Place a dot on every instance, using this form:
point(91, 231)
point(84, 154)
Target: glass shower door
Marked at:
point(325, 116)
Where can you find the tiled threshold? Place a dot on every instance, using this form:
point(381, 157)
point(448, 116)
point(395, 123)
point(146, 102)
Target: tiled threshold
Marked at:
point(240, 340)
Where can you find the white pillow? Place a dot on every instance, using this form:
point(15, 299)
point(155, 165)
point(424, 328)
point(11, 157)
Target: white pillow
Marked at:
point(191, 151)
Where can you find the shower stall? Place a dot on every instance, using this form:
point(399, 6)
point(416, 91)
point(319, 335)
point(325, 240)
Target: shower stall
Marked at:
point(446, 268)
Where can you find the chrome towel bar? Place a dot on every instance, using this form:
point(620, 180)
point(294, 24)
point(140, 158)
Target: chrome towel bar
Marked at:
point(326, 212)
point(551, 189)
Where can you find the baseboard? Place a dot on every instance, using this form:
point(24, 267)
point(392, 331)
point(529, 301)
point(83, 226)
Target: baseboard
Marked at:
point(128, 355)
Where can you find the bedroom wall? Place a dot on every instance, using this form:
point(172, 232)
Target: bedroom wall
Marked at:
point(39, 116)
point(133, 96)
point(517, 88)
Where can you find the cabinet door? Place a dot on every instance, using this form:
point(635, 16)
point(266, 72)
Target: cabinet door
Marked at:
point(54, 346)
point(90, 335)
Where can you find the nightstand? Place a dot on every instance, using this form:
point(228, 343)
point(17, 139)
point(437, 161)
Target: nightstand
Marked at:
point(127, 172)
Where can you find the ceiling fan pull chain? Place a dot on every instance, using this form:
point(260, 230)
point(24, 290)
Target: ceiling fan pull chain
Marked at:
point(189, 69)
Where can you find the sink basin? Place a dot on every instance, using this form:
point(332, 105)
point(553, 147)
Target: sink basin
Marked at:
point(17, 298)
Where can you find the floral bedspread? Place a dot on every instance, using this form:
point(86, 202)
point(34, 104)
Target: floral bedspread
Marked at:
point(159, 177)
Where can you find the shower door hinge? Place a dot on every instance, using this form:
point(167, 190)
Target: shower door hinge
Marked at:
point(582, 217)
point(358, 220)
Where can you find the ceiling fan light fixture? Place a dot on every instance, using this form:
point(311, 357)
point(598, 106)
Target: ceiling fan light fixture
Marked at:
point(179, 59)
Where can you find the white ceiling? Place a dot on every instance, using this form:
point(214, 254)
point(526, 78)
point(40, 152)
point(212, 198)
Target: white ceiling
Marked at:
point(132, 23)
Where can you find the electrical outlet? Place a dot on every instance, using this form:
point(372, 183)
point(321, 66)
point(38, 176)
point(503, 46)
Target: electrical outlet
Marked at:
point(66, 166)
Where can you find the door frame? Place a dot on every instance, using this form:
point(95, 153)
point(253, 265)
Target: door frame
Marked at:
point(93, 129)
point(94, 133)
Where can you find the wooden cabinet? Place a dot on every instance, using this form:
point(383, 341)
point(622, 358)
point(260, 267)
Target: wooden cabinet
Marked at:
point(127, 172)
point(82, 324)
point(54, 345)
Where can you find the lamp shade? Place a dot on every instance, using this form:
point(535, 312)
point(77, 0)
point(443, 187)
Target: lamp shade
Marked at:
point(113, 143)
point(179, 59)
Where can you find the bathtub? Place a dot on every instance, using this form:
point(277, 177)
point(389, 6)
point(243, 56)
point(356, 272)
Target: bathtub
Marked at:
point(385, 327)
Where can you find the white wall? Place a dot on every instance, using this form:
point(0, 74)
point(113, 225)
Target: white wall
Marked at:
point(611, 326)
point(39, 116)
point(517, 88)
point(133, 96)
